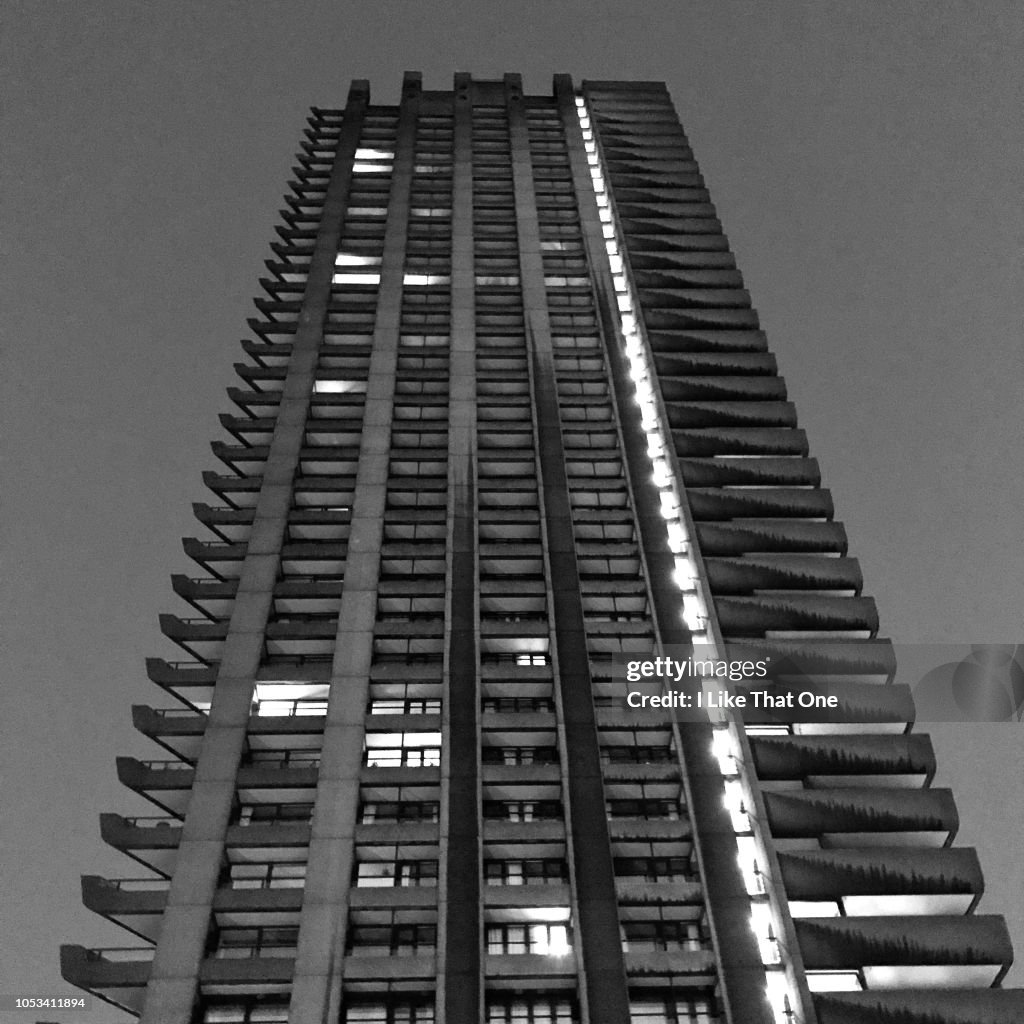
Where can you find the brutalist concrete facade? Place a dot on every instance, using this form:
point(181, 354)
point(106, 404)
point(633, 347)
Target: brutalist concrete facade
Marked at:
point(506, 414)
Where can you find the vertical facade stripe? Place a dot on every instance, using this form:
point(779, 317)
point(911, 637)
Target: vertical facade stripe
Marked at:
point(319, 964)
point(459, 898)
point(599, 941)
point(171, 990)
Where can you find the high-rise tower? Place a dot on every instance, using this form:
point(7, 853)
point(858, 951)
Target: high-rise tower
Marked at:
point(506, 414)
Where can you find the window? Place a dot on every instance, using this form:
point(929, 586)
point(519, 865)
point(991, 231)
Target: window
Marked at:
point(391, 939)
point(540, 939)
point(522, 810)
point(534, 1010)
point(393, 1011)
point(374, 812)
point(669, 1010)
point(272, 1010)
point(546, 871)
point(660, 936)
point(275, 814)
point(269, 875)
point(398, 706)
point(243, 943)
point(403, 750)
point(389, 874)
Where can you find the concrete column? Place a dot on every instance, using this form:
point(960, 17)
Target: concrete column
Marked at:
point(316, 989)
point(599, 946)
point(171, 990)
point(460, 980)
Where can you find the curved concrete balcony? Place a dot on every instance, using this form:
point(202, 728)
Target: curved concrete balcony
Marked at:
point(688, 415)
point(942, 951)
point(190, 682)
point(272, 353)
point(855, 618)
point(922, 1006)
point(269, 330)
point(136, 904)
point(705, 442)
point(678, 342)
point(152, 842)
point(850, 663)
point(865, 817)
point(168, 784)
point(795, 536)
point(180, 731)
point(222, 560)
point(760, 503)
point(210, 596)
point(200, 637)
point(279, 312)
point(904, 760)
point(896, 881)
point(736, 576)
point(117, 976)
point(255, 403)
point(694, 363)
point(663, 279)
point(768, 471)
point(723, 388)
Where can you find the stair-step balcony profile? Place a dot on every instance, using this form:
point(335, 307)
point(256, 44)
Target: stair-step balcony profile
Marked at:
point(116, 975)
point(190, 682)
point(135, 904)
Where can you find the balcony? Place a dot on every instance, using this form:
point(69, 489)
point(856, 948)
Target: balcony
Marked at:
point(896, 881)
point(117, 976)
point(151, 841)
point(945, 952)
point(934, 1005)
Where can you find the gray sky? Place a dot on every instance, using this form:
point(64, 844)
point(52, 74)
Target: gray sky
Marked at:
point(865, 160)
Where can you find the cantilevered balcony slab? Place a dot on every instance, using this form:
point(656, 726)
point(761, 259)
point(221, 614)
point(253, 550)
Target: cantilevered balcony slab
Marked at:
point(897, 881)
point(942, 951)
point(117, 976)
point(865, 817)
point(134, 904)
point(829, 762)
point(153, 842)
point(922, 1006)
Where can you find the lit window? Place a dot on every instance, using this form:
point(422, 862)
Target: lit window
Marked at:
point(365, 167)
point(367, 211)
point(834, 981)
point(426, 279)
point(355, 259)
point(356, 279)
point(364, 153)
point(339, 387)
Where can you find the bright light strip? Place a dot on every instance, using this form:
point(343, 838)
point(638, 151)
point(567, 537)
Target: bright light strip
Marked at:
point(764, 914)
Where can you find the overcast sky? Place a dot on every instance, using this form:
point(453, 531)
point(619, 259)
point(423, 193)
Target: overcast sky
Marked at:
point(865, 159)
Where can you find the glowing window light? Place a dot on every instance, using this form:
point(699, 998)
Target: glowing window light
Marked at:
point(724, 748)
point(662, 473)
point(616, 263)
point(685, 574)
point(611, 247)
point(764, 928)
point(608, 231)
point(677, 538)
point(426, 279)
point(354, 259)
point(602, 200)
point(374, 154)
point(580, 101)
point(356, 279)
point(549, 939)
point(370, 168)
point(746, 855)
point(339, 387)
point(669, 505)
point(619, 280)
point(655, 447)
